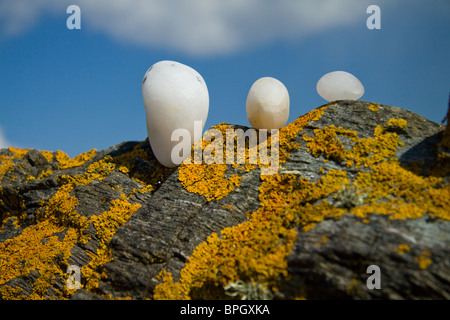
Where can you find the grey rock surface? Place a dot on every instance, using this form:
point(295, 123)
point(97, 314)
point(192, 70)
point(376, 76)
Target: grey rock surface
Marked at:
point(172, 222)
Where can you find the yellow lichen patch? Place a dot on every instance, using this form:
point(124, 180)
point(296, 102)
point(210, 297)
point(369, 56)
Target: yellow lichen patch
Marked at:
point(402, 248)
point(47, 155)
point(30, 178)
point(374, 107)
point(144, 189)
point(58, 215)
point(397, 123)
point(289, 132)
point(171, 291)
point(211, 181)
point(18, 153)
point(60, 209)
point(95, 171)
point(44, 174)
point(437, 202)
point(65, 162)
point(124, 169)
point(59, 226)
point(424, 260)
point(370, 151)
point(326, 142)
point(5, 167)
point(208, 180)
point(106, 225)
point(400, 193)
point(289, 202)
point(257, 248)
point(38, 249)
point(6, 161)
point(364, 151)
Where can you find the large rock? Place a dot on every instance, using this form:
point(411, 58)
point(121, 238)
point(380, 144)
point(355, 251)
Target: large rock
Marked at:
point(360, 185)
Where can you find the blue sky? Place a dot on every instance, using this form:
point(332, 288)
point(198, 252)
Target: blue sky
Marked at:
point(74, 90)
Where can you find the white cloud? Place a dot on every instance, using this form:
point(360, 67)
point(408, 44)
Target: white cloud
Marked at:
point(3, 142)
point(197, 27)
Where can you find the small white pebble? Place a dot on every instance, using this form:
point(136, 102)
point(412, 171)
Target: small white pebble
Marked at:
point(175, 96)
point(267, 104)
point(340, 85)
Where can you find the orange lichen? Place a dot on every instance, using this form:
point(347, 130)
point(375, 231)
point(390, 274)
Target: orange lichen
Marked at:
point(47, 155)
point(289, 132)
point(257, 248)
point(326, 142)
point(172, 290)
point(106, 225)
point(45, 247)
point(397, 123)
point(364, 151)
point(212, 181)
point(374, 107)
point(37, 249)
point(60, 209)
point(402, 248)
point(208, 180)
point(424, 260)
point(65, 162)
point(95, 171)
point(44, 174)
point(7, 161)
point(393, 190)
point(18, 153)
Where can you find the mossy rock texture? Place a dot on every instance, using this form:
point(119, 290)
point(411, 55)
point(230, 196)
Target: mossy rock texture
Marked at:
point(359, 184)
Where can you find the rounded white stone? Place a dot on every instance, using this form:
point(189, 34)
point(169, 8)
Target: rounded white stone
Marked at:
point(175, 96)
point(340, 85)
point(267, 104)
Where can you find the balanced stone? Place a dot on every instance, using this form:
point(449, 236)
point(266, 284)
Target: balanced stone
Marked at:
point(175, 97)
point(267, 104)
point(340, 85)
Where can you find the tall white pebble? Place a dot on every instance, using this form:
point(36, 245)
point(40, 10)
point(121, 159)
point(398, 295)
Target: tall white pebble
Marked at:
point(340, 85)
point(267, 104)
point(175, 96)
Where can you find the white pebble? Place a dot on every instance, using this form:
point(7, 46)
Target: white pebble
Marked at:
point(175, 96)
point(340, 85)
point(267, 104)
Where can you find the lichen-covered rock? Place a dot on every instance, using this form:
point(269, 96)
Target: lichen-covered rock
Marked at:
point(359, 184)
